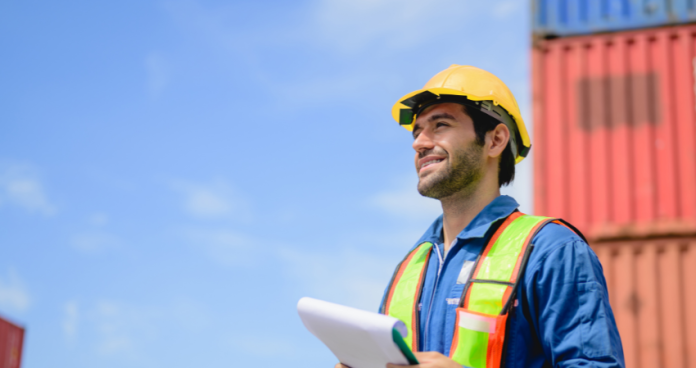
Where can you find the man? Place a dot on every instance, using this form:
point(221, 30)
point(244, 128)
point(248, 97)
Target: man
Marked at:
point(487, 286)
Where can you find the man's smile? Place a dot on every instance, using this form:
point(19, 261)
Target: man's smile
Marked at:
point(429, 161)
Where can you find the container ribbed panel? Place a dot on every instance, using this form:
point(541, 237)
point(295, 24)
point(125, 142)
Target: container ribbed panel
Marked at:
point(653, 297)
point(615, 132)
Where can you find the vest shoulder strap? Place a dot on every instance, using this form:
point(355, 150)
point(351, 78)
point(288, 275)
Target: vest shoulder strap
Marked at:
point(405, 289)
point(501, 264)
point(481, 319)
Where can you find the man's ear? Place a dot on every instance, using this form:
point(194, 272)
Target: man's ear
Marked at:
point(497, 139)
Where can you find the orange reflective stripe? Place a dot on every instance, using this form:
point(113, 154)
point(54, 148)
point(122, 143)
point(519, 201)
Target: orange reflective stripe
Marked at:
point(399, 272)
point(496, 342)
point(415, 326)
point(404, 292)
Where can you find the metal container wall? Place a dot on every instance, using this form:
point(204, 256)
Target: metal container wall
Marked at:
point(653, 296)
point(11, 342)
point(565, 17)
point(615, 132)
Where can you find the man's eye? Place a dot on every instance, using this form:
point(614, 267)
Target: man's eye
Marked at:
point(440, 125)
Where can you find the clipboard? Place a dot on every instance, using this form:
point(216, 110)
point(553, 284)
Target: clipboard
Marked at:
point(359, 339)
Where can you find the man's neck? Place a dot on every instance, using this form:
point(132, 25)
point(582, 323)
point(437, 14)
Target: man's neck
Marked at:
point(459, 209)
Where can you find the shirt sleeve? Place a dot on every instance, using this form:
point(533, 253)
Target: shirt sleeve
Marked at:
point(567, 294)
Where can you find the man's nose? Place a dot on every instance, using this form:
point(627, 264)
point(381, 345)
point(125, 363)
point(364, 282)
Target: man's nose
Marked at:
point(423, 142)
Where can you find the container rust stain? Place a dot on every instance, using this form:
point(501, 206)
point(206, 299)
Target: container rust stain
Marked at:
point(615, 132)
point(636, 87)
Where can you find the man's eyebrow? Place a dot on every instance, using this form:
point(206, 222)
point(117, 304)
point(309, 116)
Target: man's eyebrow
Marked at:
point(440, 116)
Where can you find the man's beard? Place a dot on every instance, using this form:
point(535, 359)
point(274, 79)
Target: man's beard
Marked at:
point(467, 170)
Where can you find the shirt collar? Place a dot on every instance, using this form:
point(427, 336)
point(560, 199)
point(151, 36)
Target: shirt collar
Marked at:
point(499, 208)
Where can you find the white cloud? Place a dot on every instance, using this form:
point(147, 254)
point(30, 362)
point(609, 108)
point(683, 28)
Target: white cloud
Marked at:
point(126, 330)
point(375, 29)
point(99, 219)
point(213, 200)
point(21, 187)
point(113, 322)
point(158, 73)
point(349, 276)
point(222, 245)
point(94, 242)
point(71, 317)
point(263, 346)
point(339, 25)
point(505, 8)
point(293, 95)
point(13, 293)
point(351, 25)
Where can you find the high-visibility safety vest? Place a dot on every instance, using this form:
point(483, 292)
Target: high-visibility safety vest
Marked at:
point(480, 327)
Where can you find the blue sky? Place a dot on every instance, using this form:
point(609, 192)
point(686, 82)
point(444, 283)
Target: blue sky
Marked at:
point(176, 174)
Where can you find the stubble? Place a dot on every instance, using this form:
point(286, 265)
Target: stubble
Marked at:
point(464, 169)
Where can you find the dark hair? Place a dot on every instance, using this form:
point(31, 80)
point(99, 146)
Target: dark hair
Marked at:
point(483, 124)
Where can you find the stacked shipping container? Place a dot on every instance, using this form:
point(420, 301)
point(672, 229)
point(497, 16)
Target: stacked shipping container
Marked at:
point(614, 132)
point(11, 341)
point(572, 17)
point(615, 154)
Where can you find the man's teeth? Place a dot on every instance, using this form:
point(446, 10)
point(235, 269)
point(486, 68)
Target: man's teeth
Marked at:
point(431, 162)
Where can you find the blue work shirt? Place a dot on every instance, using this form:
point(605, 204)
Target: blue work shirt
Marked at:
point(561, 316)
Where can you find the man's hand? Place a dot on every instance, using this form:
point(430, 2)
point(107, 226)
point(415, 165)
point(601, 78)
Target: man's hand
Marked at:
point(429, 359)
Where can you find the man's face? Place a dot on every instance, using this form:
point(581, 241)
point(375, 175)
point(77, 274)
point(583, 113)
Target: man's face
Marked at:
point(448, 157)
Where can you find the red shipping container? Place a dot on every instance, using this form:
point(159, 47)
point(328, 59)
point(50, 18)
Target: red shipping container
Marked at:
point(615, 132)
point(653, 299)
point(11, 342)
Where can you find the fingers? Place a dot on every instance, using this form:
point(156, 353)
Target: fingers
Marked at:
point(427, 355)
point(434, 359)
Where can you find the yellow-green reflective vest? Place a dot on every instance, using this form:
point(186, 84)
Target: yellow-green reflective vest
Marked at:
point(479, 330)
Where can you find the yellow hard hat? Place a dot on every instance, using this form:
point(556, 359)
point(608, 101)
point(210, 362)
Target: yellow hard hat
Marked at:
point(473, 87)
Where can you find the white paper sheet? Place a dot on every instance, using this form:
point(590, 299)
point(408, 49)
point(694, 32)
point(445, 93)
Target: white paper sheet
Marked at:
point(359, 339)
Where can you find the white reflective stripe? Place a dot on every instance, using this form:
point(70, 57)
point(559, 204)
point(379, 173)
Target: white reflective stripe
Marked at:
point(475, 322)
point(465, 273)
